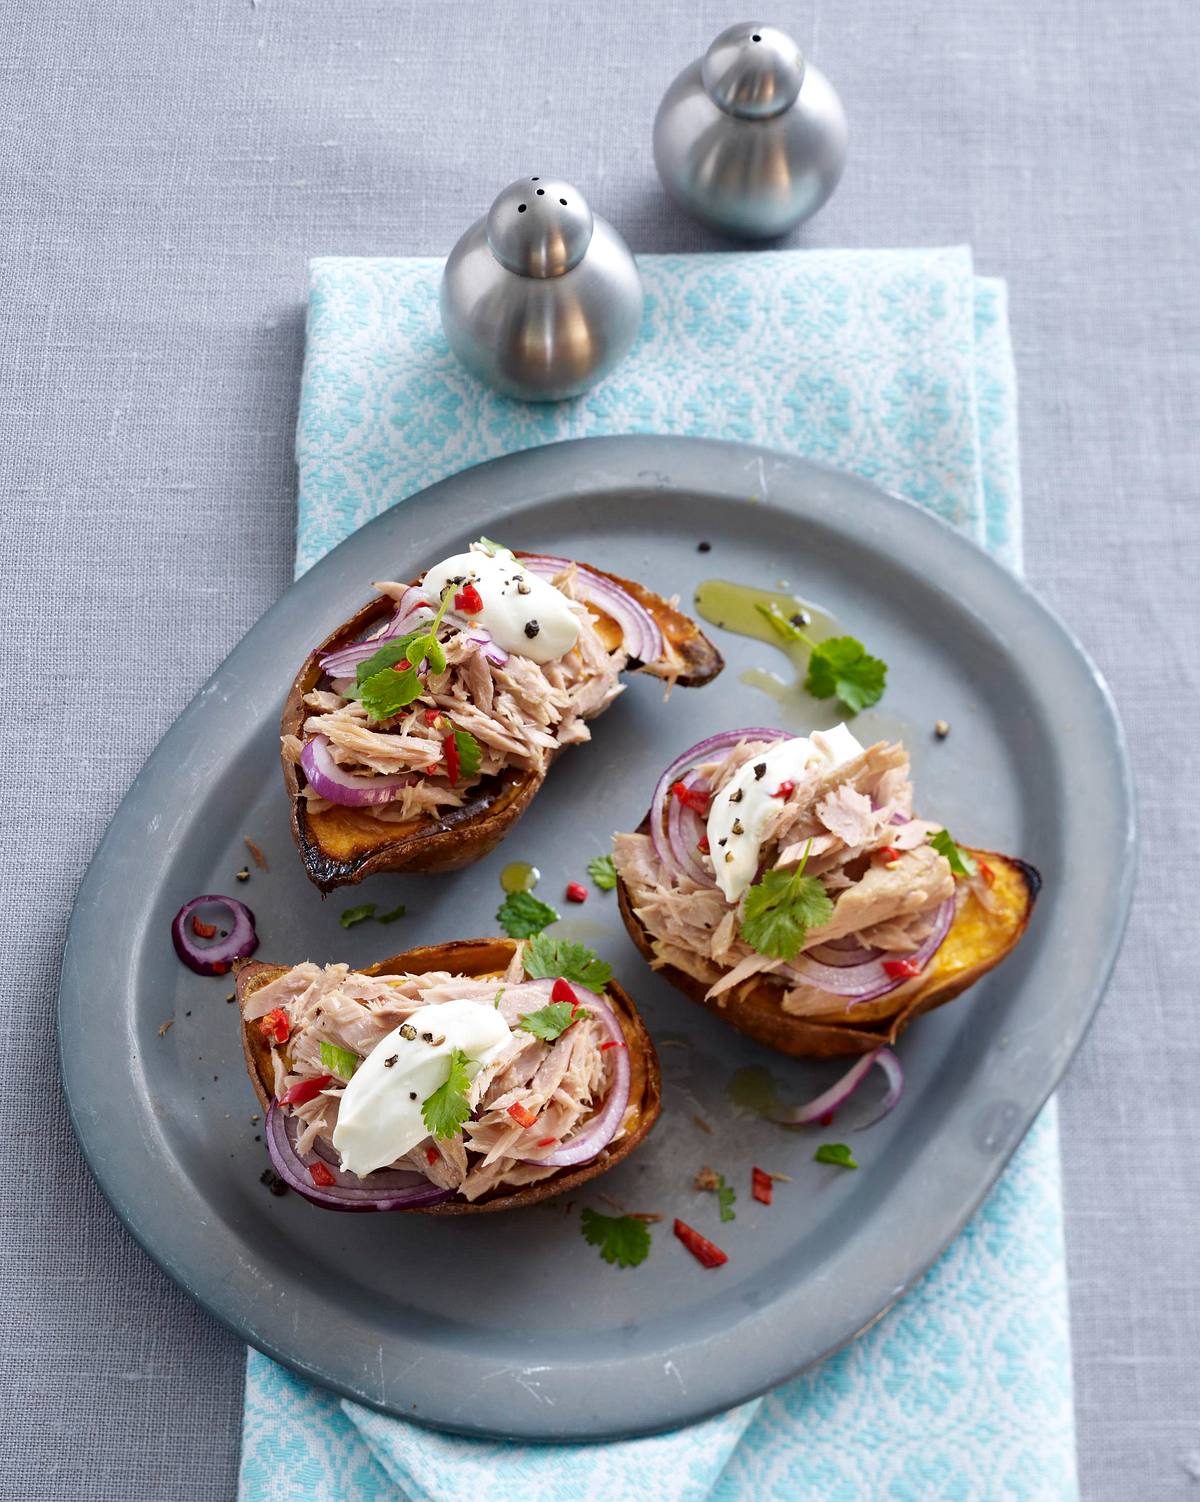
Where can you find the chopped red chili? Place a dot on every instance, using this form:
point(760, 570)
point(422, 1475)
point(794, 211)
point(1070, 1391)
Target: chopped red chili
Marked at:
point(547, 1141)
point(201, 929)
point(692, 798)
point(762, 1186)
point(434, 766)
point(784, 790)
point(520, 1115)
point(700, 1247)
point(453, 765)
point(889, 852)
point(989, 876)
point(468, 600)
point(432, 1155)
point(703, 847)
point(612, 1043)
point(219, 967)
point(402, 666)
point(304, 1090)
point(321, 1176)
point(576, 892)
point(561, 991)
point(276, 1025)
point(906, 968)
point(432, 716)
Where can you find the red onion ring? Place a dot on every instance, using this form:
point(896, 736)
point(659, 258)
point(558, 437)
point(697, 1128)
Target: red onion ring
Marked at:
point(843, 953)
point(330, 781)
point(640, 634)
point(603, 1127)
point(838, 1094)
point(215, 957)
point(490, 649)
point(343, 662)
point(685, 830)
point(701, 751)
point(385, 1189)
point(868, 980)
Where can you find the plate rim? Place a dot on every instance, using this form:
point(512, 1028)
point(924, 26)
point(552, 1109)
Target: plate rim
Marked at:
point(662, 463)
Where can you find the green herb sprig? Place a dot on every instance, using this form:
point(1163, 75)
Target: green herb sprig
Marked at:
point(521, 915)
point(779, 911)
point(623, 1240)
point(838, 667)
point(447, 1108)
point(547, 958)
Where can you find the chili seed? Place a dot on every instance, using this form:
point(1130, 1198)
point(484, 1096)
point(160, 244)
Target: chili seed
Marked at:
point(942, 729)
point(243, 874)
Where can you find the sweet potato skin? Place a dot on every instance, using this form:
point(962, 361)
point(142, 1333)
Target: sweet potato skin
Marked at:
point(977, 942)
point(343, 846)
point(478, 957)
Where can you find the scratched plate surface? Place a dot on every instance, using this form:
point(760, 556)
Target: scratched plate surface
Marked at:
point(511, 1324)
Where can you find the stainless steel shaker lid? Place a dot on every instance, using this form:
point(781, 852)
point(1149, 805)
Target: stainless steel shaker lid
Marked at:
point(539, 226)
point(752, 70)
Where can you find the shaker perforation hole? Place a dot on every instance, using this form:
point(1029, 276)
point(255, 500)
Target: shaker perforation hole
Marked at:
point(756, 37)
point(521, 208)
point(563, 201)
point(541, 192)
point(534, 179)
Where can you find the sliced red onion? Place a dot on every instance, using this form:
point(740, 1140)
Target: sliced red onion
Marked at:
point(685, 830)
point(345, 660)
point(492, 650)
point(332, 782)
point(385, 1189)
point(843, 953)
point(869, 979)
point(603, 1127)
point(640, 634)
point(701, 751)
point(837, 1095)
point(214, 956)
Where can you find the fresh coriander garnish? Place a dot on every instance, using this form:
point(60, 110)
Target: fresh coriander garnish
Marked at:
point(551, 1021)
point(603, 872)
point(546, 958)
point(725, 1198)
point(841, 667)
point(384, 687)
point(360, 914)
point(396, 912)
point(339, 1061)
point(521, 915)
point(623, 1241)
point(836, 1153)
point(470, 755)
point(447, 1108)
point(962, 862)
point(780, 910)
point(838, 667)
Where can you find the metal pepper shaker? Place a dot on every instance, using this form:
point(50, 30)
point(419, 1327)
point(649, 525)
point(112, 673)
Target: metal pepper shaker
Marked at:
point(750, 139)
point(541, 297)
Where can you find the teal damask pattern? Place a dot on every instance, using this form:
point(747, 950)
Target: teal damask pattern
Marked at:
point(893, 364)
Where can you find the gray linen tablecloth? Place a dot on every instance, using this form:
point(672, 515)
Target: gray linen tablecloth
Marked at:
point(165, 170)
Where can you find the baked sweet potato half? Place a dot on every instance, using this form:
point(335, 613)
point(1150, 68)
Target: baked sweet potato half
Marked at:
point(516, 715)
point(978, 939)
point(784, 884)
point(592, 1088)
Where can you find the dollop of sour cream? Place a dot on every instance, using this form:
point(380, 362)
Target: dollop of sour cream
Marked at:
point(739, 814)
point(379, 1118)
point(522, 612)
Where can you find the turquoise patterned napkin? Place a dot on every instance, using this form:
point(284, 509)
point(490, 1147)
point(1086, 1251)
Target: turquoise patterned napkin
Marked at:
point(893, 364)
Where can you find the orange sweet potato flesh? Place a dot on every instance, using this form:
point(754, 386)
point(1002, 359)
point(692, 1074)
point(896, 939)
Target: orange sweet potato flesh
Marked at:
point(486, 957)
point(978, 940)
point(341, 846)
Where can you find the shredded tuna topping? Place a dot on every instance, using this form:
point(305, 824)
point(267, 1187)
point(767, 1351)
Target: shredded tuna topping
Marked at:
point(855, 822)
point(522, 713)
point(561, 1083)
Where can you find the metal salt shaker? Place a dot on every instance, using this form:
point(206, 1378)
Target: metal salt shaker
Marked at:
point(750, 139)
point(541, 298)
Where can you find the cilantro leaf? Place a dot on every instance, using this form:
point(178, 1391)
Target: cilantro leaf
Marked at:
point(962, 862)
point(447, 1108)
point(840, 667)
point(622, 1240)
point(779, 911)
point(835, 1152)
point(546, 958)
point(603, 872)
point(725, 1198)
point(386, 693)
point(339, 1061)
point(360, 914)
point(521, 915)
point(387, 656)
point(470, 754)
point(396, 912)
point(550, 1021)
point(779, 622)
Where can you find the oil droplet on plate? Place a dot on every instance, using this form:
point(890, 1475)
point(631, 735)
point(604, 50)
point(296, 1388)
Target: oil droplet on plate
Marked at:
point(519, 876)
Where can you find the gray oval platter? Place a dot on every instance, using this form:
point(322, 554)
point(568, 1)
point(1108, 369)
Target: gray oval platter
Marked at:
point(511, 1325)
